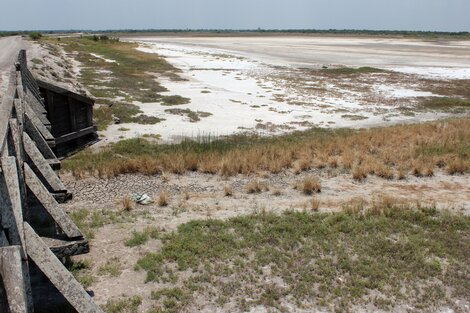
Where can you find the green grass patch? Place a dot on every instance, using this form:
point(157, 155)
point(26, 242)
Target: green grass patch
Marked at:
point(131, 75)
point(446, 104)
point(351, 70)
point(124, 305)
point(90, 220)
point(112, 268)
point(81, 270)
point(174, 100)
point(139, 238)
point(193, 116)
point(387, 257)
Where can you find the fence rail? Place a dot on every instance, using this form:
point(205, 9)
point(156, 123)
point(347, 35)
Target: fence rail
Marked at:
point(34, 230)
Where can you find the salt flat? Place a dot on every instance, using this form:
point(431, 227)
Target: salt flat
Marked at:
point(275, 84)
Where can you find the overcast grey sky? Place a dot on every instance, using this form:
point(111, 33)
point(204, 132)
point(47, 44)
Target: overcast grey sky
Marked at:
point(442, 15)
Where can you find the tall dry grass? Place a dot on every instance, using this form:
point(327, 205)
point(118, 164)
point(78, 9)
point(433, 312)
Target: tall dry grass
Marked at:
point(415, 149)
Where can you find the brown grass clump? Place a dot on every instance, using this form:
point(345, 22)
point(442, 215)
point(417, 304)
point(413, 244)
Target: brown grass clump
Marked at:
point(309, 185)
point(359, 173)
point(162, 199)
point(127, 204)
point(456, 167)
point(384, 171)
point(418, 147)
point(302, 164)
point(314, 204)
point(401, 173)
point(256, 187)
point(228, 191)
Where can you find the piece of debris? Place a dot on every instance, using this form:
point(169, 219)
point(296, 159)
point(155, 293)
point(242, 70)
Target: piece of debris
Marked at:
point(143, 199)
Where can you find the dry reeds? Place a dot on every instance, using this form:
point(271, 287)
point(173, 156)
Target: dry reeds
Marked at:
point(309, 185)
point(127, 204)
point(256, 186)
point(314, 204)
point(359, 173)
point(162, 198)
point(418, 147)
point(228, 191)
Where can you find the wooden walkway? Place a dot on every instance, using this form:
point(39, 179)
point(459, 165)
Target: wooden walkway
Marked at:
point(33, 227)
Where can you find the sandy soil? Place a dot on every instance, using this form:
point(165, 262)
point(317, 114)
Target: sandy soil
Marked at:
point(199, 196)
point(263, 84)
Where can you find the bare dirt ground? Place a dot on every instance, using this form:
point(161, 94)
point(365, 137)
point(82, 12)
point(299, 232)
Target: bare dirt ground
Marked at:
point(9, 48)
point(312, 51)
point(200, 196)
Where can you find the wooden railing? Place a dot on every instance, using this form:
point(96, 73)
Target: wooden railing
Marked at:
point(35, 233)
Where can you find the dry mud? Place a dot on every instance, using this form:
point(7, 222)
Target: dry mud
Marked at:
point(271, 85)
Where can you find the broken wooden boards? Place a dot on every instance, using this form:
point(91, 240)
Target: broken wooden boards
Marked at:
point(29, 187)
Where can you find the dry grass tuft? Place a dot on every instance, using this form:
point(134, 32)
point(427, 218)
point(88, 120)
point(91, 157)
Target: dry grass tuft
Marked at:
point(419, 148)
point(314, 204)
point(228, 191)
point(162, 199)
point(309, 185)
point(256, 186)
point(456, 167)
point(384, 171)
point(359, 173)
point(127, 203)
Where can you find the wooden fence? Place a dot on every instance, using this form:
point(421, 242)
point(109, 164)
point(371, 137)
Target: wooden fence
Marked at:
point(34, 230)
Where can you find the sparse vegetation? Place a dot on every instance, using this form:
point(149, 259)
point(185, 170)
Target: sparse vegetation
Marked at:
point(139, 238)
point(132, 77)
point(351, 71)
point(90, 220)
point(309, 185)
point(193, 116)
point(393, 147)
point(123, 305)
point(228, 191)
point(256, 186)
point(163, 198)
point(447, 104)
point(386, 249)
point(127, 204)
point(35, 35)
point(112, 268)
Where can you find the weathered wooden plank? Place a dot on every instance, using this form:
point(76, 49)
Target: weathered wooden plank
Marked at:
point(15, 229)
point(42, 165)
point(75, 135)
point(63, 249)
point(19, 110)
point(62, 91)
point(6, 107)
point(59, 276)
point(39, 125)
point(38, 108)
point(11, 266)
point(17, 137)
point(41, 143)
point(50, 204)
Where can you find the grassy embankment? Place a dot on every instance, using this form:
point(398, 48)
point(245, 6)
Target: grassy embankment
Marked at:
point(381, 255)
point(126, 73)
point(389, 152)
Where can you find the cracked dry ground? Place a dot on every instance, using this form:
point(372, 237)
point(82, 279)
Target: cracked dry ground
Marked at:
point(200, 196)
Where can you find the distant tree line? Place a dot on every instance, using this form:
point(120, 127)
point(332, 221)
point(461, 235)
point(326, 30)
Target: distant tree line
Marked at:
point(259, 30)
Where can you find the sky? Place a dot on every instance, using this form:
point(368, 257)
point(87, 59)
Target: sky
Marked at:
point(424, 15)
